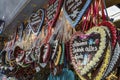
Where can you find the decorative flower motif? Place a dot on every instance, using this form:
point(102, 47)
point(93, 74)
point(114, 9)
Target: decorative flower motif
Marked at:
point(97, 41)
point(90, 41)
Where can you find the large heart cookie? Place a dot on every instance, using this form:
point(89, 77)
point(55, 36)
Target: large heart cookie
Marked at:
point(53, 11)
point(86, 50)
point(36, 21)
point(74, 10)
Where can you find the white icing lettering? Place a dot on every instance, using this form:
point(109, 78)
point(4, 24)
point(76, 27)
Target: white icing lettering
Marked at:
point(76, 44)
point(74, 14)
point(52, 9)
point(78, 56)
point(32, 23)
point(77, 5)
point(75, 50)
point(73, 7)
point(68, 2)
point(90, 48)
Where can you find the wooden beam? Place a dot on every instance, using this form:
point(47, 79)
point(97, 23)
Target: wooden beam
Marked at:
point(112, 2)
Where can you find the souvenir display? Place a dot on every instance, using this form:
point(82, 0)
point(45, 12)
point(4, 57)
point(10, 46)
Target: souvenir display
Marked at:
point(47, 47)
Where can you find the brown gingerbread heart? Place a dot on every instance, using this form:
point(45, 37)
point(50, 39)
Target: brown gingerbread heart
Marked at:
point(87, 50)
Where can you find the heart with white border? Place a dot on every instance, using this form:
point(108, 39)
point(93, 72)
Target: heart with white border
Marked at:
point(87, 50)
point(36, 21)
point(74, 10)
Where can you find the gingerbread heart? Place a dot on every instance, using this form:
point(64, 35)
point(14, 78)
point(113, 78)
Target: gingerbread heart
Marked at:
point(20, 31)
point(46, 53)
point(86, 50)
point(54, 51)
point(74, 10)
point(113, 31)
point(53, 11)
point(58, 55)
point(2, 24)
point(28, 59)
point(113, 60)
point(36, 21)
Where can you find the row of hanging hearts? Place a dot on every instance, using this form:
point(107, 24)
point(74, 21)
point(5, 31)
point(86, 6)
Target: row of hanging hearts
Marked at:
point(90, 52)
point(93, 49)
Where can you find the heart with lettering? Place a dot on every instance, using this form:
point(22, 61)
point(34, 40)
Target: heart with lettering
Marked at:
point(54, 55)
point(45, 53)
point(53, 11)
point(36, 21)
point(87, 50)
point(28, 59)
point(74, 10)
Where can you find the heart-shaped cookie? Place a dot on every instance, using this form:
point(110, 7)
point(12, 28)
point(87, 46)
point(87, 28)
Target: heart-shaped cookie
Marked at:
point(2, 24)
point(113, 31)
point(10, 56)
point(54, 49)
point(20, 31)
point(58, 55)
point(74, 10)
point(86, 50)
point(38, 52)
point(113, 61)
point(53, 11)
point(46, 53)
point(2, 57)
point(28, 59)
point(36, 21)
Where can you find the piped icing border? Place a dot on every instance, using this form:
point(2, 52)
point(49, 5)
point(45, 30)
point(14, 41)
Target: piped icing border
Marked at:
point(104, 64)
point(58, 55)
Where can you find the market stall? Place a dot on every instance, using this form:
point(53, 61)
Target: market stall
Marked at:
point(62, 40)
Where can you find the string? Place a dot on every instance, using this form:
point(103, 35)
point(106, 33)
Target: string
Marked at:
point(103, 13)
point(105, 9)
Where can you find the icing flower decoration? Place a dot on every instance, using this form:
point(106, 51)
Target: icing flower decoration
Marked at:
point(97, 41)
point(83, 36)
point(90, 41)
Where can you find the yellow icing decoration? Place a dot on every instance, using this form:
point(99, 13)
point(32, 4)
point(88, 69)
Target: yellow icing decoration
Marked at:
point(104, 66)
point(59, 54)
